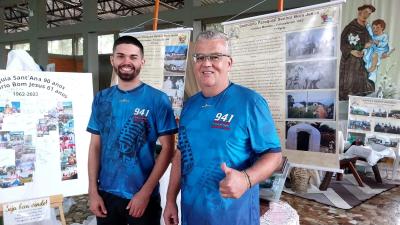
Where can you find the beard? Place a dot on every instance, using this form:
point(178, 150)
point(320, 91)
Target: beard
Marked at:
point(126, 76)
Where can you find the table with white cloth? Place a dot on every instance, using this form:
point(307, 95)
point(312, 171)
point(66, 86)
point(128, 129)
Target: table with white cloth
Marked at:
point(373, 153)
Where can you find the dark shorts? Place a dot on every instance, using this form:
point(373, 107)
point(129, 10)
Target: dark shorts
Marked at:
point(117, 214)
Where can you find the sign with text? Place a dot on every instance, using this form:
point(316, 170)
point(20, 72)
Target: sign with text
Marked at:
point(43, 138)
point(26, 211)
point(291, 59)
point(166, 55)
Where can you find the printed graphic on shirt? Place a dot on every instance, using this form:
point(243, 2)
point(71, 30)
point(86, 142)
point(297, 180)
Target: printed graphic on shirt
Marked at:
point(222, 121)
point(133, 135)
point(209, 182)
point(186, 152)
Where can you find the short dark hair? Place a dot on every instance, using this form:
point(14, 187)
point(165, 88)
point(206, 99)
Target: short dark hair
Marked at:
point(128, 40)
point(380, 22)
point(369, 6)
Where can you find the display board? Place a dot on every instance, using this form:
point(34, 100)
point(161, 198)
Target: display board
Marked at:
point(43, 139)
point(166, 55)
point(374, 121)
point(291, 59)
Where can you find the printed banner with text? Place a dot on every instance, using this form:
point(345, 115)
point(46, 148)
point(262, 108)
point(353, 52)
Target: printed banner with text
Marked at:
point(43, 138)
point(291, 59)
point(166, 54)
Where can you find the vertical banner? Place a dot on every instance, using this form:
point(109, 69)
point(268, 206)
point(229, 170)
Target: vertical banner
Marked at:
point(380, 59)
point(166, 55)
point(43, 138)
point(291, 59)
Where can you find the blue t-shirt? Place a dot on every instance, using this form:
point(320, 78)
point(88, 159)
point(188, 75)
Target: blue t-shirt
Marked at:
point(234, 127)
point(129, 123)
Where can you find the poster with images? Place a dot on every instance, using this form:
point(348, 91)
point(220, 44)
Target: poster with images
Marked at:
point(43, 138)
point(166, 55)
point(374, 120)
point(291, 59)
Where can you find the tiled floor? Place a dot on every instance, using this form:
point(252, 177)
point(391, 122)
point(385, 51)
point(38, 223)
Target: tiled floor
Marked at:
point(383, 209)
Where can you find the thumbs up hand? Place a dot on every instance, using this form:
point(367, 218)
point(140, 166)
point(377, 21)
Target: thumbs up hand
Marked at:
point(234, 184)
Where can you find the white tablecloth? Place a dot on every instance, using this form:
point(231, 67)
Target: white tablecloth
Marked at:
point(371, 154)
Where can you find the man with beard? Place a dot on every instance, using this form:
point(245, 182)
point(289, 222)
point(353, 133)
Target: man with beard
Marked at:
point(126, 121)
point(353, 77)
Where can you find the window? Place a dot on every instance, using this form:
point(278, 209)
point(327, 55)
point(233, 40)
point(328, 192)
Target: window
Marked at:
point(79, 46)
point(21, 46)
point(105, 44)
point(60, 47)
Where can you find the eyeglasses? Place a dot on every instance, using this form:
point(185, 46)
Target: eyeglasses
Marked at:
point(213, 58)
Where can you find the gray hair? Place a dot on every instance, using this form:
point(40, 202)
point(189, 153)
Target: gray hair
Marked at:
point(213, 35)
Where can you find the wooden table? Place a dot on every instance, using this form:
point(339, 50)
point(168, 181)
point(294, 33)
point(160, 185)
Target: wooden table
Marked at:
point(344, 164)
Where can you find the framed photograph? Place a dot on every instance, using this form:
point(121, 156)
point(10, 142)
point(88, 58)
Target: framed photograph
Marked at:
point(175, 60)
point(356, 137)
point(311, 105)
point(319, 42)
point(314, 137)
point(319, 74)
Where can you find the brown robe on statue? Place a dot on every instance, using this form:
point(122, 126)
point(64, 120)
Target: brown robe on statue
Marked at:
point(353, 77)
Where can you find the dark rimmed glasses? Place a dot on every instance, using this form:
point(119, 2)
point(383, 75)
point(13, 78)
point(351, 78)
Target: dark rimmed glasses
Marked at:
point(213, 58)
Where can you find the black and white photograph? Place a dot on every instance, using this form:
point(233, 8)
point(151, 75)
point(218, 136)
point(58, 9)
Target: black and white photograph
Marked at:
point(382, 140)
point(314, 137)
point(319, 74)
point(390, 127)
point(311, 105)
point(320, 42)
point(395, 113)
point(174, 87)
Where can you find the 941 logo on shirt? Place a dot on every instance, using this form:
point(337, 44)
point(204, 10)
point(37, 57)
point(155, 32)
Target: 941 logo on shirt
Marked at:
point(222, 121)
point(140, 115)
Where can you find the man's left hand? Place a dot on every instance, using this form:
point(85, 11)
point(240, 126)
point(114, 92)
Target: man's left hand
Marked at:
point(234, 184)
point(138, 204)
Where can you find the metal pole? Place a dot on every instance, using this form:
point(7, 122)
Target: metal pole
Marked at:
point(280, 5)
point(155, 17)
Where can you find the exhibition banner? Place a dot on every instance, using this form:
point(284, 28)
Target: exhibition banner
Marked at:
point(383, 77)
point(291, 59)
point(374, 121)
point(43, 139)
point(166, 55)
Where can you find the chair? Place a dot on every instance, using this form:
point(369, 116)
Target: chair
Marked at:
point(396, 163)
point(345, 162)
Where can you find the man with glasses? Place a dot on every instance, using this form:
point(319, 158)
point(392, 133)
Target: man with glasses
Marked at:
point(227, 145)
